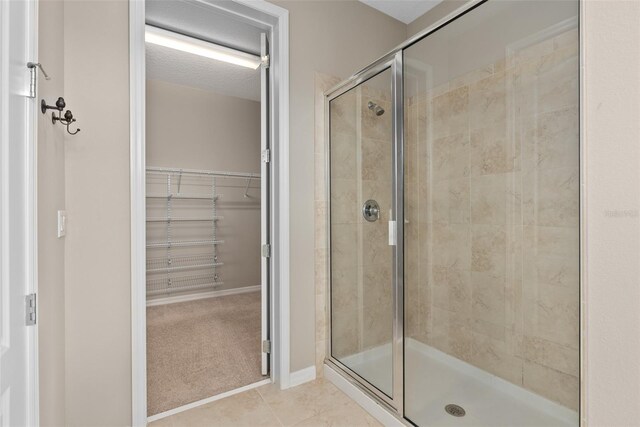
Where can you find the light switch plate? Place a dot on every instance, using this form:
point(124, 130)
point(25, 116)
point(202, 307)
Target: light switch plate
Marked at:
point(62, 223)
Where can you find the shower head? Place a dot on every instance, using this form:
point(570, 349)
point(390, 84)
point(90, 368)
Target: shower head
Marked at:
point(375, 108)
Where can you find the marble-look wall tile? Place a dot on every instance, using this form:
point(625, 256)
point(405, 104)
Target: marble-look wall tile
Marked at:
point(493, 180)
point(451, 333)
point(450, 112)
point(489, 199)
point(556, 270)
point(488, 249)
point(551, 197)
point(450, 157)
point(344, 113)
point(558, 85)
point(488, 297)
point(493, 151)
point(345, 335)
point(551, 355)
point(344, 204)
point(452, 289)
point(343, 156)
point(553, 384)
point(495, 357)
point(454, 246)
point(551, 141)
point(472, 76)
point(450, 202)
point(488, 101)
point(552, 313)
point(376, 159)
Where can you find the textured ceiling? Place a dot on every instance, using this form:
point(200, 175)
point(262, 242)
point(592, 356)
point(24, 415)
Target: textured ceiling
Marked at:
point(200, 20)
point(185, 69)
point(405, 11)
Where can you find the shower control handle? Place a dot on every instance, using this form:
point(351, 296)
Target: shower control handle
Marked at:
point(371, 210)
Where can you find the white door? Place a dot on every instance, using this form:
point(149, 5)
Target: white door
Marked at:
point(264, 197)
point(18, 373)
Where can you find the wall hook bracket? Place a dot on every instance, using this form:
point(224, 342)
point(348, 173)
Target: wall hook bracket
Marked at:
point(65, 120)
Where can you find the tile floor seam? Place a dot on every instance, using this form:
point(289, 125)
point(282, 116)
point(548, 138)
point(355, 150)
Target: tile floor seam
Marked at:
point(269, 406)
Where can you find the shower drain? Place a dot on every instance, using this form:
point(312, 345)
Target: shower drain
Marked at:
point(455, 410)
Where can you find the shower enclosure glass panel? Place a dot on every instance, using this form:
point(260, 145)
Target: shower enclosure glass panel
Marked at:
point(361, 260)
point(492, 217)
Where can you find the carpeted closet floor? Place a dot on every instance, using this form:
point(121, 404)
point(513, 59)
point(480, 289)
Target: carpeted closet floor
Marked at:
point(202, 348)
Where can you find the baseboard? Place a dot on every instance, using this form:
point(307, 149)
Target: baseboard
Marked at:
point(201, 295)
point(302, 376)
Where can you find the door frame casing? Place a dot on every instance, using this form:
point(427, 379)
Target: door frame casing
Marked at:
point(28, 197)
point(276, 19)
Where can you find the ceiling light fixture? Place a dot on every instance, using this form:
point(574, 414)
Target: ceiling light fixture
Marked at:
point(160, 37)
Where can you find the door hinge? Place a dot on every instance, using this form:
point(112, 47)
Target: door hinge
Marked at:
point(33, 69)
point(266, 346)
point(266, 155)
point(30, 309)
point(266, 61)
point(266, 251)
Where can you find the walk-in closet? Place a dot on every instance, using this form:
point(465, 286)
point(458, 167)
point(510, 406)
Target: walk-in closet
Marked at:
point(206, 204)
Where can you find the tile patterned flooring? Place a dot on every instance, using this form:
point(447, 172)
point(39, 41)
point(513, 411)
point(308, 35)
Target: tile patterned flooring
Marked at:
point(318, 403)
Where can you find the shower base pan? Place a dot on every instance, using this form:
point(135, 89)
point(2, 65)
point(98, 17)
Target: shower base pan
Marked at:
point(439, 380)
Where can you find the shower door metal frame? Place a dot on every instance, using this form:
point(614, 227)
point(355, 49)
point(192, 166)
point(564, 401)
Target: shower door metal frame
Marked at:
point(392, 62)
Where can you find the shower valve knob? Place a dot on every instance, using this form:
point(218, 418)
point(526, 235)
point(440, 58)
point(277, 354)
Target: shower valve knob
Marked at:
point(371, 210)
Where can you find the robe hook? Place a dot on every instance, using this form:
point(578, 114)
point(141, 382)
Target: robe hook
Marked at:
point(66, 120)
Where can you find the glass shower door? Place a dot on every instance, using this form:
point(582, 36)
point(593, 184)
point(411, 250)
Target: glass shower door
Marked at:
point(361, 207)
point(492, 218)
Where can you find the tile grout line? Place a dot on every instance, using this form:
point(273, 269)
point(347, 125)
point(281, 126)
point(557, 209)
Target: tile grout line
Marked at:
point(273, 412)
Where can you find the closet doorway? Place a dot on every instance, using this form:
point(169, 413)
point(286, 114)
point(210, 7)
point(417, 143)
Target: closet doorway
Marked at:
point(207, 204)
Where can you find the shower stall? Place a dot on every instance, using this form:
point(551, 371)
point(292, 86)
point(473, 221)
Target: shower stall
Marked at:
point(453, 189)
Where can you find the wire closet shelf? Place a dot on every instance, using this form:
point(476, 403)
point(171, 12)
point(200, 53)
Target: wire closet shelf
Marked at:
point(182, 221)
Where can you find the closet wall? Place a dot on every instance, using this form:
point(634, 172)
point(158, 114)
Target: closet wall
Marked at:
point(191, 128)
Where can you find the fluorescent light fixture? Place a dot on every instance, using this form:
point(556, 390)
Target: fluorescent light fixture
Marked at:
point(160, 37)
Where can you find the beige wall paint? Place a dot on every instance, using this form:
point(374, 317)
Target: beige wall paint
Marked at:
point(195, 129)
point(97, 257)
point(51, 183)
point(335, 38)
point(611, 85)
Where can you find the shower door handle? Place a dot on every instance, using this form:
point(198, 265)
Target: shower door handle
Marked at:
point(393, 233)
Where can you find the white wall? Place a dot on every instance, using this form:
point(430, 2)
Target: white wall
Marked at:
point(191, 128)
